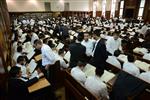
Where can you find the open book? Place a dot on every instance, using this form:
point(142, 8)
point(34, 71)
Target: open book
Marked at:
point(60, 46)
point(89, 70)
point(122, 58)
point(30, 54)
point(32, 66)
point(67, 56)
point(142, 65)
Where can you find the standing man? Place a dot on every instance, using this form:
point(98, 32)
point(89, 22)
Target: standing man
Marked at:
point(48, 56)
point(114, 43)
point(88, 43)
point(77, 51)
point(99, 55)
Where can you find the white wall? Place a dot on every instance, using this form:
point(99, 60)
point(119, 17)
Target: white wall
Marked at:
point(38, 5)
point(108, 5)
point(24, 5)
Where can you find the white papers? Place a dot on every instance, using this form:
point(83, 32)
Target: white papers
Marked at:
point(32, 65)
point(72, 32)
point(107, 76)
point(89, 70)
point(60, 46)
point(140, 50)
point(146, 56)
point(141, 40)
point(67, 56)
point(71, 37)
point(30, 54)
point(122, 58)
point(142, 65)
point(76, 34)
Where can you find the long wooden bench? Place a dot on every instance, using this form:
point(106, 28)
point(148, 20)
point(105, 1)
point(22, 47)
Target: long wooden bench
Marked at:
point(75, 89)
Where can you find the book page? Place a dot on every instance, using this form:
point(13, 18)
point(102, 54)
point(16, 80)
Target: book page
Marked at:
point(32, 65)
point(60, 46)
point(67, 56)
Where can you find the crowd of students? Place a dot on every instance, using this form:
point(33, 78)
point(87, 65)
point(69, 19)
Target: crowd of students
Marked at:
point(88, 40)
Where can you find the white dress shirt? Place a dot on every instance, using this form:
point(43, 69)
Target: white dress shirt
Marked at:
point(114, 61)
point(145, 76)
point(48, 56)
point(96, 86)
point(16, 55)
point(113, 45)
point(62, 62)
point(146, 56)
point(131, 68)
point(23, 70)
point(78, 74)
point(34, 37)
point(89, 46)
point(94, 48)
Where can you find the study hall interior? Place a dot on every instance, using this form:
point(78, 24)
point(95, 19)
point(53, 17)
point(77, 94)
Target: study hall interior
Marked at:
point(74, 49)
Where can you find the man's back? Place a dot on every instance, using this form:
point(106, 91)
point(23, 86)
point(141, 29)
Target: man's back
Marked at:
point(77, 53)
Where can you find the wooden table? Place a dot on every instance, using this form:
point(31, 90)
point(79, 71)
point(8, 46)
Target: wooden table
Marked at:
point(42, 83)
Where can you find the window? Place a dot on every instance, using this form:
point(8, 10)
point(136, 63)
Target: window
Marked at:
point(94, 8)
point(66, 6)
point(103, 7)
point(121, 8)
point(141, 9)
point(47, 6)
point(113, 5)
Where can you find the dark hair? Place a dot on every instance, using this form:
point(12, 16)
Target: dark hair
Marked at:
point(99, 72)
point(41, 35)
point(117, 32)
point(97, 32)
point(130, 58)
point(26, 58)
point(14, 71)
point(60, 51)
point(19, 49)
point(117, 53)
point(37, 42)
point(20, 58)
point(45, 40)
point(50, 44)
point(79, 38)
point(81, 63)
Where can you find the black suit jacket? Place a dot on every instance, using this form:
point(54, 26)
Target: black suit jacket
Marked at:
point(100, 55)
point(18, 89)
point(126, 85)
point(77, 53)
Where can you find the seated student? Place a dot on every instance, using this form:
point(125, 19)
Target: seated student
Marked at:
point(21, 63)
point(130, 66)
point(96, 86)
point(77, 72)
point(33, 36)
point(145, 76)
point(113, 59)
point(17, 88)
point(63, 64)
point(17, 54)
